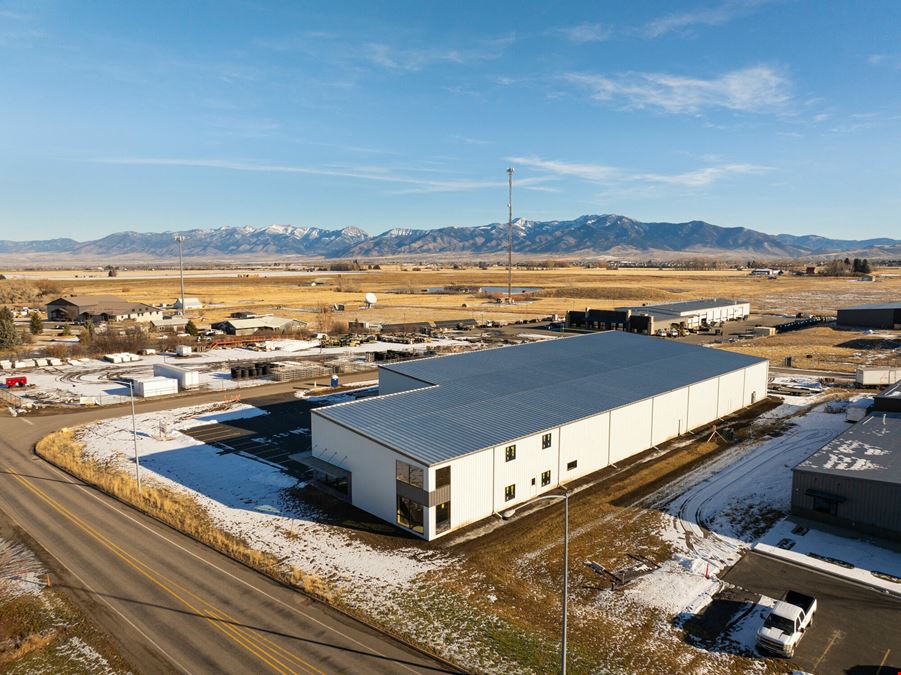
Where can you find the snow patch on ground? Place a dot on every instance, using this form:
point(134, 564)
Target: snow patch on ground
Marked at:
point(679, 586)
point(248, 498)
point(741, 637)
point(20, 571)
point(865, 555)
point(92, 380)
point(83, 658)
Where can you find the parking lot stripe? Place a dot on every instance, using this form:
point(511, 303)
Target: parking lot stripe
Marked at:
point(884, 659)
point(836, 634)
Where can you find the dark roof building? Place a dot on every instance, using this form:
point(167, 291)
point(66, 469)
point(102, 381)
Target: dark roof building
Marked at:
point(259, 324)
point(100, 308)
point(855, 480)
point(888, 400)
point(881, 315)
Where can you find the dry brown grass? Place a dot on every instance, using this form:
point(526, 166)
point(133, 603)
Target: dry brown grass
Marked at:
point(605, 528)
point(618, 293)
point(174, 508)
point(567, 288)
point(823, 348)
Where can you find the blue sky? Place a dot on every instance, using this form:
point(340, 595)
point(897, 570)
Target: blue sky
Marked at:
point(783, 116)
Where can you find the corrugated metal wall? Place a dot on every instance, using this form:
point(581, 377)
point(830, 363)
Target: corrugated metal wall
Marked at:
point(869, 506)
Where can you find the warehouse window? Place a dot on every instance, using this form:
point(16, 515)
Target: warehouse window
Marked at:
point(572, 465)
point(545, 441)
point(825, 505)
point(442, 476)
point(510, 492)
point(409, 514)
point(510, 453)
point(442, 517)
point(545, 478)
point(407, 473)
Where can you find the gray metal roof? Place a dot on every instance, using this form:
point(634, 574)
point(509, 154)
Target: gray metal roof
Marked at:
point(685, 306)
point(871, 450)
point(892, 392)
point(878, 305)
point(485, 398)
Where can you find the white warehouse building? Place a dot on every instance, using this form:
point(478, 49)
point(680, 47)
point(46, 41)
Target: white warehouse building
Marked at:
point(694, 313)
point(453, 439)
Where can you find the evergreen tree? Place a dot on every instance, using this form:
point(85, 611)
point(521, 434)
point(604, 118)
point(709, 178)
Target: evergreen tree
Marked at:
point(8, 335)
point(865, 266)
point(36, 324)
point(191, 328)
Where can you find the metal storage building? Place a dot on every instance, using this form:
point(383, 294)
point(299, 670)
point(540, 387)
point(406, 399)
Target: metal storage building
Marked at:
point(888, 400)
point(99, 308)
point(693, 313)
point(259, 324)
point(148, 387)
point(855, 479)
point(453, 439)
point(883, 315)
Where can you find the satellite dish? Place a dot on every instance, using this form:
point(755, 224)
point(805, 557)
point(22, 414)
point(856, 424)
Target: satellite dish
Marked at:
point(370, 298)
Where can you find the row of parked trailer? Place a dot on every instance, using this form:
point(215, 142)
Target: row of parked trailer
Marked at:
point(29, 363)
point(121, 357)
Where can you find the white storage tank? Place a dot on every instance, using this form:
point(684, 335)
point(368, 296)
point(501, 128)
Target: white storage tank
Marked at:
point(187, 379)
point(155, 386)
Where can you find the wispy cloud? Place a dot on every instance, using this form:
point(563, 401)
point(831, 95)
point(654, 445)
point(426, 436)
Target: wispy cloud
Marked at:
point(386, 53)
point(605, 174)
point(414, 59)
point(715, 15)
point(753, 89)
point(585, 32)
point(890, 60)
point(368, 173)
point(18, 29)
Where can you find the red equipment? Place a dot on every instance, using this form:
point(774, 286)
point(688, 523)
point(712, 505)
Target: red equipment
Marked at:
point(20, 381)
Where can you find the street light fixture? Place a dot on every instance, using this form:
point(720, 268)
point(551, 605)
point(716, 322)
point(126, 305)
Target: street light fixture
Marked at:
point(565, 497)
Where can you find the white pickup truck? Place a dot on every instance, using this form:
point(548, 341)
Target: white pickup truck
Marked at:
point(786, 623)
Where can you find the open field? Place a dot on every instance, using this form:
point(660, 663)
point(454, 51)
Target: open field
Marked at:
point(564, 289)
point(826, 348)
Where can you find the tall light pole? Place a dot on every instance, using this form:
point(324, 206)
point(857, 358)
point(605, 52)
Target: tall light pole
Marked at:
point(180, 238)
point(565, 497)
point(134, 434)
point(510, 234)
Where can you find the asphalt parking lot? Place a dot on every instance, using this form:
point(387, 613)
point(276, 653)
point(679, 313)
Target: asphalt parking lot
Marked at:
point(856, 630)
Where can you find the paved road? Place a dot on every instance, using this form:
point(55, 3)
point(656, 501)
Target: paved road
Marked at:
point(169, 603)
point(855, 630)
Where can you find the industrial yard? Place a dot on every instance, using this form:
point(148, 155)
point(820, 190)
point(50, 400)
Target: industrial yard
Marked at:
point(382, 440)
point(679, 512)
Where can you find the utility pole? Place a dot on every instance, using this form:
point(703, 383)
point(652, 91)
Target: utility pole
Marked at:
point(510, 236)
point(134, 434)
point(565, 578)
point(181, 271)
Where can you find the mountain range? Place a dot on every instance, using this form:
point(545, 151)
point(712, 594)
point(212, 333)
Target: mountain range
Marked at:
point(588, 236)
